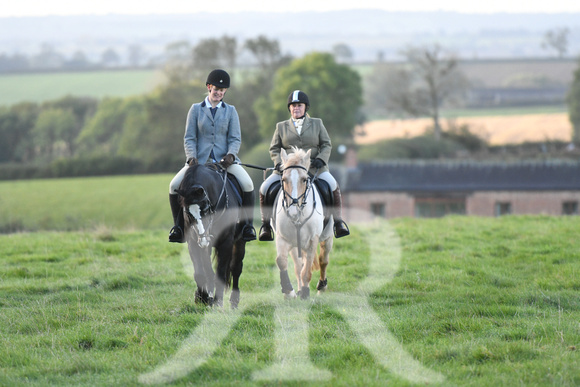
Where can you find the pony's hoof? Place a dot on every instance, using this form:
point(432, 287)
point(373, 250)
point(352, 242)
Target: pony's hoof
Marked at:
point(322, 285)
point(234, 299)
point(305, 293)
point(290, 296)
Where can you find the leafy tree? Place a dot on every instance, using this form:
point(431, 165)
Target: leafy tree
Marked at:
point(155, 134)
point(50, 127)
point(573, 100)
point(101, 134)
point(430, 80)
point(557, 39)
point(82, 108)
point(213, 53)
point(334, 91)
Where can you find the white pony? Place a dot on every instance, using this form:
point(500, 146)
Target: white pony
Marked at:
point(299, 226)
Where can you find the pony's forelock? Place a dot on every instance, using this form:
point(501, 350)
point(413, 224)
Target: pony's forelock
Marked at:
point(295, 158)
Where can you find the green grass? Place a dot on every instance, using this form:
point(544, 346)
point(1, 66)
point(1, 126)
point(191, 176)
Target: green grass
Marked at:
point(96, 296)
point(118, 202)
point(481, 301)
point(40, 87)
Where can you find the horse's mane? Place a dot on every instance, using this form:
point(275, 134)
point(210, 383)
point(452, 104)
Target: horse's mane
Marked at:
point(295, 158)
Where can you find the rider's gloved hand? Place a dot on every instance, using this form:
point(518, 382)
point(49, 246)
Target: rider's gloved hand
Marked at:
point(317, 163)
point(191, 161)
point(227, 160)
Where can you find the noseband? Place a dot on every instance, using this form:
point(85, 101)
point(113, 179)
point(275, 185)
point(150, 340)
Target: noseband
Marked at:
point(208, 209)
point(292, 201)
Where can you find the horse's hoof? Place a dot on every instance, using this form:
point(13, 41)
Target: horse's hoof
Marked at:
point(322, 285)
point(234, 299)
point(290, 296)
point(305, 293)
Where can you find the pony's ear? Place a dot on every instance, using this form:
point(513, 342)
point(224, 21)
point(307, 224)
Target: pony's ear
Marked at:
point(306, 158)
point(284, 155)
point(180, 192)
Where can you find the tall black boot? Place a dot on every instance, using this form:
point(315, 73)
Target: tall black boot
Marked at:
point(266, 232)
point(247, 214)
point(176, 234)
point(340, 227)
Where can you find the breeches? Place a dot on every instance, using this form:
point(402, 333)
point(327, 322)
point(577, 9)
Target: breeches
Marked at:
point(235, 169)
point(326, 176)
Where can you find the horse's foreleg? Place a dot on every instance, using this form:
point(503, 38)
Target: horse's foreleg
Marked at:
point(282, 263)
point(306, 273)
point(236, 271)
point(298, 264)
point(323, 260)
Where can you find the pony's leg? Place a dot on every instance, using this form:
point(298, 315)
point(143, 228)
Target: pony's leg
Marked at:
point(306, 274)
point(323, 259)
point(298, 263)
point(236, 271)
point(282, 249)
point(224, 251)
point(195, 254)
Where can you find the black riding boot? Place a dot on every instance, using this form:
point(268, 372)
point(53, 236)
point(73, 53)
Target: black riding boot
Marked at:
point(266, 232)
point(340, 227)
point(247, 213)
point(176, 234)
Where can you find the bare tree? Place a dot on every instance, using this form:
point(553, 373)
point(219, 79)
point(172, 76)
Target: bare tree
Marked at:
point(342, 53)
point(430, 79)
point(557, 39)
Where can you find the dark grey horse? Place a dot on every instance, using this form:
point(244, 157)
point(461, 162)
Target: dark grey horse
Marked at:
point(212, 206)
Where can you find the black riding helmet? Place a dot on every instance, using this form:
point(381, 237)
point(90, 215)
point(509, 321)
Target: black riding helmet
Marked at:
point(218, 78)
point(298, 96)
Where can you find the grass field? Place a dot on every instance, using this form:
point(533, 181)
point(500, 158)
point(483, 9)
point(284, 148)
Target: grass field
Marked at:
point(460, 301)
point(40, 87)
point(470, 302)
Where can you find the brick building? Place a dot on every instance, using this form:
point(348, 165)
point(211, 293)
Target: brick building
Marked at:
point(438, 188)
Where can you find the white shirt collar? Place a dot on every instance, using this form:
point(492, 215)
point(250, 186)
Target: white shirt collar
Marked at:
point(208, 104)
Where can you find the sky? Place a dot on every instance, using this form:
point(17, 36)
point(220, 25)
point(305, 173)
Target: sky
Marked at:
point(103, 7)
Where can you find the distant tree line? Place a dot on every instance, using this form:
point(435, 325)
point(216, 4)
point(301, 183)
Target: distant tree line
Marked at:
point(75, 136)
point(78, 136)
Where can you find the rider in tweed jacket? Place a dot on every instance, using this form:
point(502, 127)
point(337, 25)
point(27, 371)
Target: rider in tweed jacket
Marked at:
point(301, 131)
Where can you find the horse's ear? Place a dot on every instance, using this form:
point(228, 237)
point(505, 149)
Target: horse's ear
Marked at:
point(306, 158)
point(180, 192)
point(284, 155)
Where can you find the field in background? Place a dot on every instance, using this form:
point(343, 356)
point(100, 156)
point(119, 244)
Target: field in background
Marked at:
point(40, 87)
point(498, 130)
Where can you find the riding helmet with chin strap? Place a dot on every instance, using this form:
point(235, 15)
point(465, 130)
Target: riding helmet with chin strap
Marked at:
point(298, 96)
point(219, 78)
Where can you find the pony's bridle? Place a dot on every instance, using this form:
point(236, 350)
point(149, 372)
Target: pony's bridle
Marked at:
point(206, 207)
point(289, 200)
point(299, 221)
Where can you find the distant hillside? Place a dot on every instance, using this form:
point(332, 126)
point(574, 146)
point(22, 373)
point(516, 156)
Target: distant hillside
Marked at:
point(366, 32)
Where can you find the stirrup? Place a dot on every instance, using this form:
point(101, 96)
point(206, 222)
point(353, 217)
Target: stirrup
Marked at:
point(176, 235)
point(340, 229)
point(266, 233)
point(248, 233)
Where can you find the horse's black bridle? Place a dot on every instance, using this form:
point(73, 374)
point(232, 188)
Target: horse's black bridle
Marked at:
point(296, 201)
point(300, 221)
point(207, 208)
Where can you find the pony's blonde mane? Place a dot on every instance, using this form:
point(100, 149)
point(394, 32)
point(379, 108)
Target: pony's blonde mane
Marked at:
point(295, 158)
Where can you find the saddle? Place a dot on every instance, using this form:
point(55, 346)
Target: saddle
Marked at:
point(323, 189)
point(232, 181)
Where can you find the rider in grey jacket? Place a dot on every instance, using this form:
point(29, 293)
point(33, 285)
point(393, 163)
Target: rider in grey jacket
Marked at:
point(212, 134)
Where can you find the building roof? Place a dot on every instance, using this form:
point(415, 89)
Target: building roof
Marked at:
point(447, 176)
